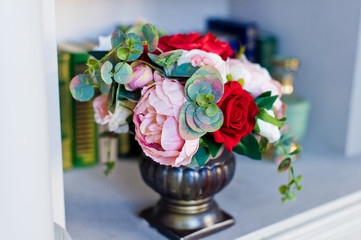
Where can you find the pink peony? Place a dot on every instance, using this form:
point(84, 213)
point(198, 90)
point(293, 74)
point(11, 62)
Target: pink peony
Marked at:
point(101, 115)
point(142, 76)
point(156, 123)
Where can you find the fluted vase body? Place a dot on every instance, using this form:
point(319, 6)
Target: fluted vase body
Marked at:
point(186, 204)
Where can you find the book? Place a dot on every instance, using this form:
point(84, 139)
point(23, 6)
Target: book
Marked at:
point(78, 129)
point(266, 46)
point(243, 32)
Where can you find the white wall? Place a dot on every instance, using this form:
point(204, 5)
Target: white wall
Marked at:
point(25, 189)
point(324, 35)
point(85, 19)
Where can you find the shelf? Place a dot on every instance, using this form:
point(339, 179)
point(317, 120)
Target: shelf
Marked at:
point(98, 207)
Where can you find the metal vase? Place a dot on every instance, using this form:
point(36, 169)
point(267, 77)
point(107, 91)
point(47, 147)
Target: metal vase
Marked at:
point(186, 209)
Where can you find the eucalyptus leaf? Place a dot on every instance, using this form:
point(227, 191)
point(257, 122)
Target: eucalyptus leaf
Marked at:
point(112, 97)
point(117, 38)
point(168, 58)
point(150, 34)
point(138, 46)
point(123, 52)
point(81, 88)
point(152, 57)
point(184, 70)
point(105, 72)
point(211, 110)
point(103, 87)
point(124, 73)
point(283, 189)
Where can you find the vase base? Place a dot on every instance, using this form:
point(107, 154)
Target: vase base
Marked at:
point(179, 234)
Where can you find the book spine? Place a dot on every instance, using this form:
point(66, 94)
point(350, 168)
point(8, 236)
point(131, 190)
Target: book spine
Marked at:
point(85, 146)
point(250, 42)
point(245, 32)
point(65, 110)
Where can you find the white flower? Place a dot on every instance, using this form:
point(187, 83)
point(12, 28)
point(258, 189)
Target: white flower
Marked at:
point(104, 43)
point(256, 79)
point(199, 58)
point(268, 130)
point(117, 122)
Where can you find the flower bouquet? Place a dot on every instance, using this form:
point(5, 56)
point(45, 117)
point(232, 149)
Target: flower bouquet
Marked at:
point(186, 100)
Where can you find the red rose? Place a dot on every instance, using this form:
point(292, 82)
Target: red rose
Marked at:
point(239, 111)
point(190, 41)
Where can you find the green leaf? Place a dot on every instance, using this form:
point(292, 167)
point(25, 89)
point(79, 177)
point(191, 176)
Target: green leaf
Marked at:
point(184, 70)
point(110, 167)
point(103, 87)
point(263, 144)
point(296, 151)
point(138, 46)
point(299, 187)
point(136, 51)
point(117, 38)
point(81, 87)
point(201, 156)
point(241, 81)
point(265, 116)
point(256, 127)
point(211, 110)
point(213, 146)
point(152, 57)
point(125, 74)
point(150, 34)
point(123, 52)
point(168, 58)
point(298, 179)
point(91, 62)
point(285, 164)
point(133, 95)
point(266, 102)
point(248, 146)
point(283, 189)
point(265, 94)
point(105, 72)
point(201, 100)
point(229, 77)
point(291, 196)
point(112, 97)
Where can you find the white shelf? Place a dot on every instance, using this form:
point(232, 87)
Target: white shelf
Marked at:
point(106, 208)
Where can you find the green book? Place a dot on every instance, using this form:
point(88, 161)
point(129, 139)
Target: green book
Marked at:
point(78, 129)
